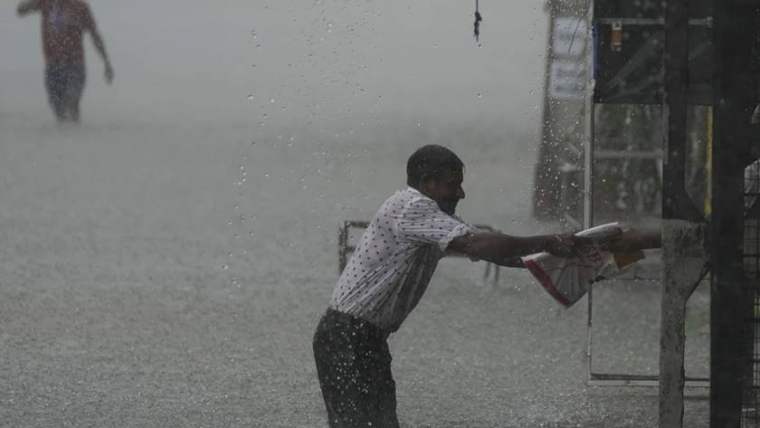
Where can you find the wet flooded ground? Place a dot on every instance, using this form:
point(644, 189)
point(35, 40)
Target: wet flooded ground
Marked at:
point(139, 288)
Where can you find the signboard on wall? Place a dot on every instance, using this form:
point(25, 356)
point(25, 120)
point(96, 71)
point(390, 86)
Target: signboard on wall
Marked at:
point(567, 80)
point(569, 36)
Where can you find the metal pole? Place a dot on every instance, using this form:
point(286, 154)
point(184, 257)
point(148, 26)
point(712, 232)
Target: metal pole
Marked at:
point(731, 302)
point(588, 175)
point(588, 152)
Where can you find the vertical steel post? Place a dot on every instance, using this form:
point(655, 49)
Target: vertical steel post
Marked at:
point(588, 177)
point(731, 302)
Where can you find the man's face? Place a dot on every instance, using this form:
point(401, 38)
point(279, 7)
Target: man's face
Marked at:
point(446, 191)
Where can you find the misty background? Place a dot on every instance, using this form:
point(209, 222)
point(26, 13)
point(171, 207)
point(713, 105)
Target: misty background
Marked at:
point(165, 263)
point(326, 62)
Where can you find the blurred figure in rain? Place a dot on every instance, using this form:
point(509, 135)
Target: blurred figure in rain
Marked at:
point(386, 277)
point(64, 23)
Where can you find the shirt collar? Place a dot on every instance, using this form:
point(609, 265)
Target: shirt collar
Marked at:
point(413, 190)
point(417, 192)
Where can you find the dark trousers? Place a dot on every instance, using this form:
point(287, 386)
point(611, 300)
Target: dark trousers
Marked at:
point(64, 84)
point(354, 369)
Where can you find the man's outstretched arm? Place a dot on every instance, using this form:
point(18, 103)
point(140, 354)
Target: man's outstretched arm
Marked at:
point(506, 250)
point(27, 7)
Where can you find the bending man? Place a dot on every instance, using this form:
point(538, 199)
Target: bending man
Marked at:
point(386, 278)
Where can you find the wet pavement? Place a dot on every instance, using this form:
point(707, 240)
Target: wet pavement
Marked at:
point(144, 285)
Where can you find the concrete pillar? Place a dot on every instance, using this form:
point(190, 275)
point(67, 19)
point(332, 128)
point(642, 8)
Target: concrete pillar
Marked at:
point(684, 264)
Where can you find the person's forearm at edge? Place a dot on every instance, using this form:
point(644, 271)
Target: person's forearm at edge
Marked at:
point(27, 7)
point(630, 240)
point(635, 240)
point(650, 239)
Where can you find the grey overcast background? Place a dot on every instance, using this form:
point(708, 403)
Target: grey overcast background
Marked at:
point(323, 60)
point(165, 263)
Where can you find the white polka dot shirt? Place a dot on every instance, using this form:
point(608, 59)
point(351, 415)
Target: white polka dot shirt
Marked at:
point(395, 258)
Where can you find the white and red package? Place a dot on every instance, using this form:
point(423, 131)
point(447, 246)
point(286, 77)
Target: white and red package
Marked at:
point(568, 279)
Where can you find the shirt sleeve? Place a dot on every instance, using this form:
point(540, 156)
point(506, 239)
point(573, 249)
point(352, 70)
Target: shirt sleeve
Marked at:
point(423, 222)
point(42, 6)
point(86, 19)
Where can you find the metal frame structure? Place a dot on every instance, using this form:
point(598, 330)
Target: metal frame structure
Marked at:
point(733, 231)
point(735, 321)
point(623, 379)
point(592, 153)
point(675, 200)
point(709, 55)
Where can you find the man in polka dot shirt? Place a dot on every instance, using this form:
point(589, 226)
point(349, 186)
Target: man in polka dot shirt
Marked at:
point(388, 274)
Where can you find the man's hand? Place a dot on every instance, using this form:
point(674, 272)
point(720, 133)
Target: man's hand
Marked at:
point(108, 73)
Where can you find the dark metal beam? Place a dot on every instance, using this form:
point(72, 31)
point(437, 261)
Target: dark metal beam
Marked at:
point(676, 202)
point(731, 301)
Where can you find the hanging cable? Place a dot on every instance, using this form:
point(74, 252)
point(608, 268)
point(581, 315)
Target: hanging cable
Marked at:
point(478, 18)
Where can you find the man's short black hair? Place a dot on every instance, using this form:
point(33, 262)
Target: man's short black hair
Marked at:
point(431, 162)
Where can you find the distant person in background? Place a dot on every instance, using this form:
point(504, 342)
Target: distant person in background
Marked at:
point(64, 23)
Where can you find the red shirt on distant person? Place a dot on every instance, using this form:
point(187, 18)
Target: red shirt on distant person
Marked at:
point(63, 26)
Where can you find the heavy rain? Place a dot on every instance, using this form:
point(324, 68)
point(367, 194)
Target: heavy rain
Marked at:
point(165, 262)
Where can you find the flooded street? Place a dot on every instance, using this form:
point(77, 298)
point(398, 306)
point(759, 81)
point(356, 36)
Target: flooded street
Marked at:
point(134, 293)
